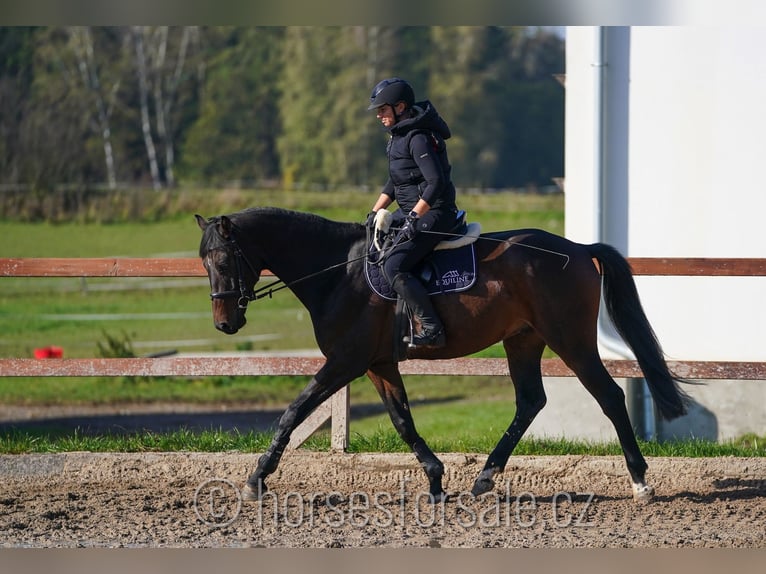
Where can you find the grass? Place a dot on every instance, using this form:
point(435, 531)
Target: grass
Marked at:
point(77, 317)
point(471, 411)
point(36, 312)
point(384, 440)
point(270, 391)
point(179, 234)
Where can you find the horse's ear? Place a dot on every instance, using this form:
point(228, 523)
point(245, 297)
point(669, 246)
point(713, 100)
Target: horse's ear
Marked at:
point(225, 226)
point(201, 221)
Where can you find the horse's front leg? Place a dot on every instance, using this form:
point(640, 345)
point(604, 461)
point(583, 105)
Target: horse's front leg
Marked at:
point(320, 388)
point(390, 386)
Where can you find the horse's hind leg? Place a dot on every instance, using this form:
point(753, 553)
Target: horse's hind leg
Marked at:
point(611, 398)
point(524, 352)
point(390, 386)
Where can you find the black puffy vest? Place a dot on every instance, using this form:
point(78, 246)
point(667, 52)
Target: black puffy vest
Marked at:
point(406, 175)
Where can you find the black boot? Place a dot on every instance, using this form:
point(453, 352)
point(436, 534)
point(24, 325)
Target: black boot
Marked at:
point(415, 295)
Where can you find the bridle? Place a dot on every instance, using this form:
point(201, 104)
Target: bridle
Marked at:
point(243, 295)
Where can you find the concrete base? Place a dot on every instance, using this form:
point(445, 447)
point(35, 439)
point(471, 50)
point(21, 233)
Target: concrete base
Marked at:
point(721, 410)
point(571, 412)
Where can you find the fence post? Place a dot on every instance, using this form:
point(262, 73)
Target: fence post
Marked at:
point(337, 408)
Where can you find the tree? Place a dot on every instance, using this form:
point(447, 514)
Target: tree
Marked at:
point(308, 91)
point(143, 91)
point(102, 98)
point(16, 56)
point(234, 136)
point(495, 87)
point(221, 104)
point(160, 76)
point(534, 108)
point(463, 63)
point(329, 137)
point(66, 133)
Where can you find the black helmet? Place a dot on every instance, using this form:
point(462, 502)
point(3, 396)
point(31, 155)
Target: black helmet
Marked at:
point(391, 91)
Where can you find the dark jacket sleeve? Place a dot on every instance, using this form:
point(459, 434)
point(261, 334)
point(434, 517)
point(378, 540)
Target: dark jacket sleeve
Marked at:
point(389, 189)
point(424, 154)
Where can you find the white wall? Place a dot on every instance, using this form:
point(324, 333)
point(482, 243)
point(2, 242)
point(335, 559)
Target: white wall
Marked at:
point(686, 176)
point(698, 149)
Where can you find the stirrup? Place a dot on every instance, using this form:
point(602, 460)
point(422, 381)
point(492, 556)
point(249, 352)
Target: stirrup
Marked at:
point(433, 339)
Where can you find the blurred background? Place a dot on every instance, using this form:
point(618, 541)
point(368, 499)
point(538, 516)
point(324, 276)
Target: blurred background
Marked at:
point(90, 110)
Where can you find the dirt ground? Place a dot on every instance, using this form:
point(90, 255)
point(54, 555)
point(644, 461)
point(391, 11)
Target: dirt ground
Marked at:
point(374, 500)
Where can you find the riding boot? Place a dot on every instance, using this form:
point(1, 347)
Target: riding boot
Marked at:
point(415, 295)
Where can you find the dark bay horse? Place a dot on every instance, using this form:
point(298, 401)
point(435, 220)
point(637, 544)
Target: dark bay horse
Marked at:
point(533, 289)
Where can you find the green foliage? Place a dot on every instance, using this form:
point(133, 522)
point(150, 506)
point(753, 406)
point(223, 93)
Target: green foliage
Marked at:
point(236, 105)
point(25, 442)
point(322, 107)
point(482, 78)
point(234, 136)
point(115, 347)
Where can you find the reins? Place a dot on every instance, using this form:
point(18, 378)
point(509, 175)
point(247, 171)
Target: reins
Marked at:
point(244, 296)
point(267, 291)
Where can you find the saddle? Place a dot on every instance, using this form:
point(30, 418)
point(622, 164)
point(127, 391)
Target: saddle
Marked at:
point(450, 268)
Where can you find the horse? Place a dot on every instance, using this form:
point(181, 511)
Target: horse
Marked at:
point(533, 288)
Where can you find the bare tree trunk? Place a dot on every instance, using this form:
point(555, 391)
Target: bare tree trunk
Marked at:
point(165, 92)
point(143, 87)
point(157, 59)
point(163, 86)
point(83, 49)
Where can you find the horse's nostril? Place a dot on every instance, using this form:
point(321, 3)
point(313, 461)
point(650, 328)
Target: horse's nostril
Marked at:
point(225, 327)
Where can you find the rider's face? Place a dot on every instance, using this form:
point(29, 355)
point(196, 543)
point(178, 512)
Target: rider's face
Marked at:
point(385, 114)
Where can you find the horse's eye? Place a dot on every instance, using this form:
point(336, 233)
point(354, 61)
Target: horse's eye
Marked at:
point(221, 263)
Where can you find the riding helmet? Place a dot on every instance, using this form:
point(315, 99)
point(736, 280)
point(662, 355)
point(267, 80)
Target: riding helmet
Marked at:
point(391, 91)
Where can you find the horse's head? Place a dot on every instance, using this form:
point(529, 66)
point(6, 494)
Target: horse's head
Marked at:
point(231, 272)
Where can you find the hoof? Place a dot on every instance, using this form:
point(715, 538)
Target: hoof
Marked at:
point(439, 498)
point(482, 485)
point(253, 491)
point(642, 492)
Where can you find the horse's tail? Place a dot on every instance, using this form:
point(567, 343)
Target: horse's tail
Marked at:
point(627, 314)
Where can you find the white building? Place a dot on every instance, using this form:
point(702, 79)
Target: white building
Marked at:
point(665, 153)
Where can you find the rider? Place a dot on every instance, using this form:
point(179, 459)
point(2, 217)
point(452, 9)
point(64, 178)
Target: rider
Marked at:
point(419, 181)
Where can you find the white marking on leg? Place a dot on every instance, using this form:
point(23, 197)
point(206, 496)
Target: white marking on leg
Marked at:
point(642, 492)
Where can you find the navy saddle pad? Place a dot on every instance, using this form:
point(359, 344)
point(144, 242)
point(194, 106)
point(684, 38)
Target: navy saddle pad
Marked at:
point(444, 271)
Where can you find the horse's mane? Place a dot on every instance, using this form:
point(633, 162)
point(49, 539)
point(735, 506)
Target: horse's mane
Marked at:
point(294, 223)
point(301, 222)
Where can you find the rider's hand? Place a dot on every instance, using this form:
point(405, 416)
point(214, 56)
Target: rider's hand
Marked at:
point(410, 227)
point(370, 222)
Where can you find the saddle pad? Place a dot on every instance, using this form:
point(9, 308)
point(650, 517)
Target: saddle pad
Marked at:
point(448, 271)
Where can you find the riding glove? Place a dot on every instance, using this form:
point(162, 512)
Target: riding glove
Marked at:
point(410, 227)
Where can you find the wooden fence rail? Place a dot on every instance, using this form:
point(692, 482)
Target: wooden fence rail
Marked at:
point(267, 365)
point(337, 407)
point(192, 267)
